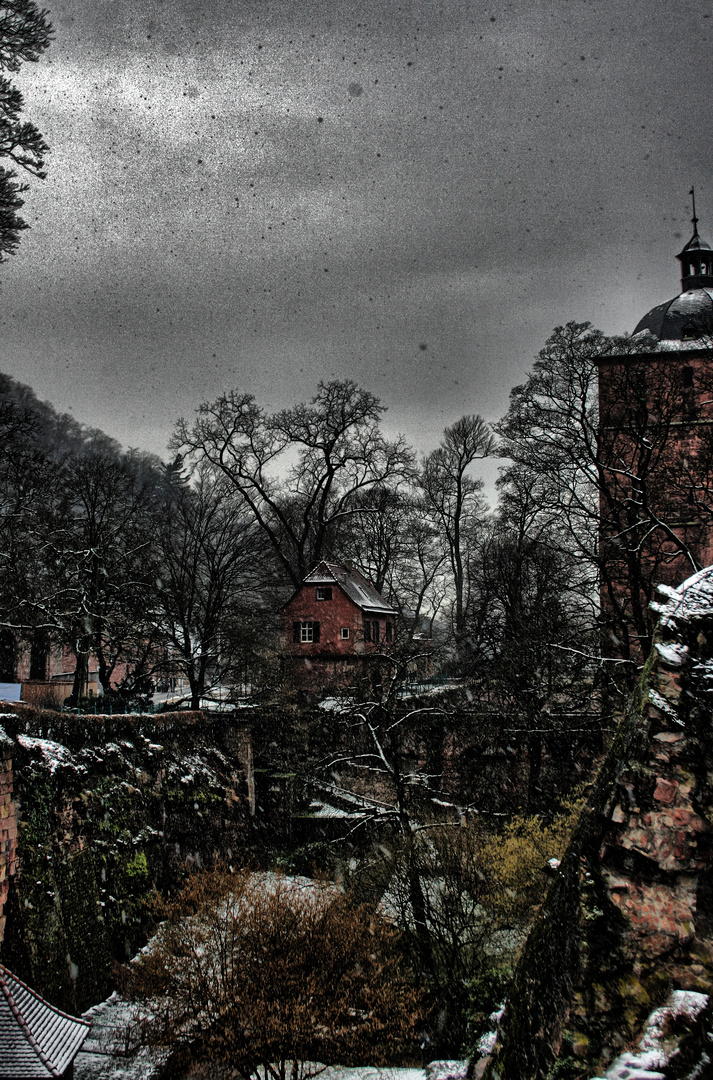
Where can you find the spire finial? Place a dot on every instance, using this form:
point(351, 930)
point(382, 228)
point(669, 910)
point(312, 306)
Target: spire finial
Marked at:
point(694, 219)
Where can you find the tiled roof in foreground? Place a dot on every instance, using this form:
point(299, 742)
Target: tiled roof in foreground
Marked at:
point(36, 1039)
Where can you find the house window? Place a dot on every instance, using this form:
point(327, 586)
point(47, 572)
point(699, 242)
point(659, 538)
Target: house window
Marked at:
point(376, 631)
point(687, 377)
point(367, 630)
point(389, 631)
point(345, 633)
point(324, 593)
point(305, 631)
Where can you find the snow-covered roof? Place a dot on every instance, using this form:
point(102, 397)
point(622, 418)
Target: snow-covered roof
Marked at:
point(357, 587)
point(37, 1040)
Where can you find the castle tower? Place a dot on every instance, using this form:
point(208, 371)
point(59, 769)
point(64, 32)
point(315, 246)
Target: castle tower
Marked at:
point(656, 453)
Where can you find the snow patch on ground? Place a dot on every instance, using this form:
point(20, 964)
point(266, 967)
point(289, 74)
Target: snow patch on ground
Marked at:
point(445, 1070)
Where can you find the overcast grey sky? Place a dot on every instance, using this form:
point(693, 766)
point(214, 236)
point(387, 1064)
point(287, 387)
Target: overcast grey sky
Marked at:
point(262, 193)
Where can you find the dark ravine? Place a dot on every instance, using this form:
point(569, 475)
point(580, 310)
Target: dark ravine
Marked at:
point(629, 916)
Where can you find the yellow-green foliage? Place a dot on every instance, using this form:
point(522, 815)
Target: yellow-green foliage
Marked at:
point(137, 868)
point(512, 862)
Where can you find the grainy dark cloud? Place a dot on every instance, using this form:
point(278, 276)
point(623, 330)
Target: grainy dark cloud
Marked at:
point(261, 194)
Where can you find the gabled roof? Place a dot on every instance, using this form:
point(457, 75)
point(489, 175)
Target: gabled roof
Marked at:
point(357, 587)
point(36, 1039)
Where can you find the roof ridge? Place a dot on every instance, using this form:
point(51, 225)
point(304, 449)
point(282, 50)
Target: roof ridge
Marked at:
point(55, 1008)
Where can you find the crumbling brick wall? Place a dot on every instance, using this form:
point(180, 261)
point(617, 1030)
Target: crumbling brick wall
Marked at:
point(630, 913)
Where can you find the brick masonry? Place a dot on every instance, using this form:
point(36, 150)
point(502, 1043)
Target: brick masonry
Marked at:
point(630, 914)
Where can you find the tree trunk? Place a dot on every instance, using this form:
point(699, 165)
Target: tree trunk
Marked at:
point(81, 673)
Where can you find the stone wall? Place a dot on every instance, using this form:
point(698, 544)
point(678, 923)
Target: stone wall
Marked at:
point(630, 915)
point(8, 823)
point(108, 809)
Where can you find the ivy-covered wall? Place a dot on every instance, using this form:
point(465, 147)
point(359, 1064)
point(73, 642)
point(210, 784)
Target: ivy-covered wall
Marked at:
point(8, 823)
point(629, 916)
point(108, 809)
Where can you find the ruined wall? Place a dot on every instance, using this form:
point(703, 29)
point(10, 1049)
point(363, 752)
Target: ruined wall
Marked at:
point(630, 915)
point(8, 823)
point(109, 808)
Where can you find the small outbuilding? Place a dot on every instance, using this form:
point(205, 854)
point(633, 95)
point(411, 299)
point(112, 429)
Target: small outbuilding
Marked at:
point(37, 1041)
point(332, 624)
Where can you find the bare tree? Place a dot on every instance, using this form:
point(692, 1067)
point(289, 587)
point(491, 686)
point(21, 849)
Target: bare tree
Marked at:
point(206, 598)
point(456, 886)
point(395, 543)
point(98, 546)
point(298, 505)
point(453, 497)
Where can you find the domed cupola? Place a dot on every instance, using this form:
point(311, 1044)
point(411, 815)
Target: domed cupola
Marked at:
point(688, 317)
point(696, 259)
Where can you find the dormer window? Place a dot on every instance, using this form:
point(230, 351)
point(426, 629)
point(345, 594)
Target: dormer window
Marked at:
point(324, 592)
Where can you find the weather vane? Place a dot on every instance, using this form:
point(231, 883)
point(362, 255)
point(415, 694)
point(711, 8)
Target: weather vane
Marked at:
point(694, 219)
